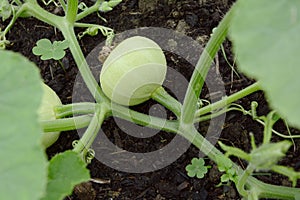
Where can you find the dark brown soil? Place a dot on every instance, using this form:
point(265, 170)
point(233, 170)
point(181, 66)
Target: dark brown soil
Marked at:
point(196, 19)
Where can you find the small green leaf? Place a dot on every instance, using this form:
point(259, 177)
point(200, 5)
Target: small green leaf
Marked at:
point(113, 3)
point(267, 155)
point(5, 9)
point(266, 41)
point(47, 50)
point(225, 178)
point(231, 171)
point(61, 44)
point(65, 171)
point(234, 151)
point(104, 7)
point(197, 168)
point(23, 168)
point(224, 163)
point(107, 6)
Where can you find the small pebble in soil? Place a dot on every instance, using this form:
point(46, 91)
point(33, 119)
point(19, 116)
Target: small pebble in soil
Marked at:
point(85, 191)
point(214, 174)
point(172, 44)
point(147, 5)
point(202, 2)
point(191, 19)
point(176, 14)
point(171, 23)
point(297, 165)
point(182, 26)
point(132, 4)
point(229, 191)
point(104, 53)
point(183, 185)
point(201, 195)
point(286, 183)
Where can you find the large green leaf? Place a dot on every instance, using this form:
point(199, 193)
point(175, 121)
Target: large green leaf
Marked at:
point(65, 171)
point(23, 166)
point(266, 38)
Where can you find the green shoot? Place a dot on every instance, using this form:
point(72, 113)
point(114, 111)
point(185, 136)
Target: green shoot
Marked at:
point(266, 156)
point(234, 151)
point(93, 30)
point(263, 157)
point(107, 6)
point(225, 165)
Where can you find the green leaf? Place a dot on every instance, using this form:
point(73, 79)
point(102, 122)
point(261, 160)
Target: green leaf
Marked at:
point(23, 168)
point(266, 42)
point(47, 50)
point(113, 3)
point(104, 7)
point(267, 155)
point(225, 178)
point(234, 151)
point(197, 168)
point(5, 9)
point(65, 171)
point(224, 163)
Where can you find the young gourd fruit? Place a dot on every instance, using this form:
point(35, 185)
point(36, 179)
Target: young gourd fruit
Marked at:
point(46, 112)
point(133, 71)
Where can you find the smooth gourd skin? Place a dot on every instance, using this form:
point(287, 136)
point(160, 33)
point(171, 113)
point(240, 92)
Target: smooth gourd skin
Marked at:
point(133, 71)
point(46, 112)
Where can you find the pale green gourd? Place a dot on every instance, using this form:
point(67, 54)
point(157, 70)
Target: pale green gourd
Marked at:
point(46, 112)
point(133, 71)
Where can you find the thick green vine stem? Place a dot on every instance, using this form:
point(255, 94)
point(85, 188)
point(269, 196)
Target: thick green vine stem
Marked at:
point(72, 9)
point(161, 96)
point(33, 9)
point(83, 67)
point(198, 78)
point(89, 10)
point(228, 99)
point(75, 109)
point(66, 124)
point(241, 183)
point(270, 120)
point(83, 145)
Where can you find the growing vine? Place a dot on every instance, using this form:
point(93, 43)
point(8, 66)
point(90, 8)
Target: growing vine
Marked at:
point(121, 72)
